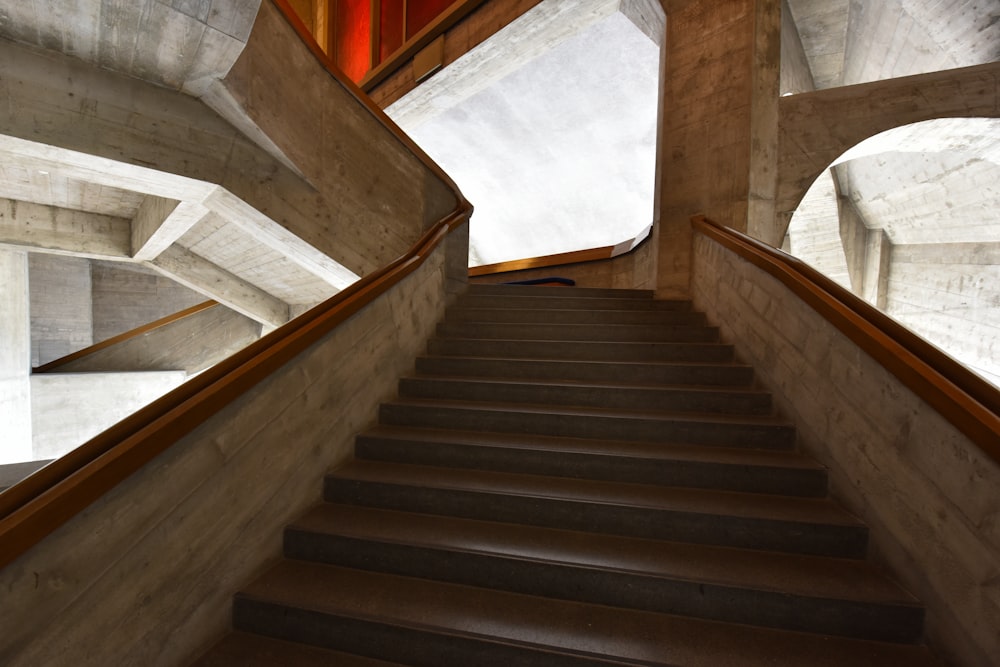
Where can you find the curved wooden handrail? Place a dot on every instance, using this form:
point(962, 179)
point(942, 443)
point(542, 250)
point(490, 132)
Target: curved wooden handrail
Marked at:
point(970, 403)
point(39, 504)
point(56, 364)
point(562, 258)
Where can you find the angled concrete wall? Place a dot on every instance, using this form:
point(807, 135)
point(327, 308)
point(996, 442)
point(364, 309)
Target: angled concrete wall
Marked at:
point(930, 497)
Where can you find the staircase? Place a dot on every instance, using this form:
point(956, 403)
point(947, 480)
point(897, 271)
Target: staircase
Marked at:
point(575, 477)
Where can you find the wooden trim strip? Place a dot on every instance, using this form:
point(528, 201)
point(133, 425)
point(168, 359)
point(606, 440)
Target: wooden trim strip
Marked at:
point(574, 257)
point(446, 20)
point(42, 502)
point(53, 366)
point(970, 403)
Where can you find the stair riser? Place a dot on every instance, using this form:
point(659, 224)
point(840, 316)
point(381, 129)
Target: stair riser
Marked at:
point(568, 303)
point(704, 375)
point(583, 350)
point(616, 398)
point(511, 315)
point(691, 474)
point(701, 599)
point(654, 523)
point(397, 643)
point(719, 434)
point(579, 332)
point(535, 291)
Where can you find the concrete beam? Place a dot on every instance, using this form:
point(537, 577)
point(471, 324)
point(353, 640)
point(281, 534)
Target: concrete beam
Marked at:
point(160, 222)
point(205, 277)
point(63, 231)
point(878, 260)
point(274, 236)
point(818, 127)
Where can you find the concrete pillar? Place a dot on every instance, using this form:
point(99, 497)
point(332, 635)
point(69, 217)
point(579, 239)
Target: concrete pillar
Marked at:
point(878, 256)
point(15, 358)
point(718, 135)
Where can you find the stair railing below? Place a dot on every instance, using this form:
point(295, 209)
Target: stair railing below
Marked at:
point(38, 505)
point(969, 402)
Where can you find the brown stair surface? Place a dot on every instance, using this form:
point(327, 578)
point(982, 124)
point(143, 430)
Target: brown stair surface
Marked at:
point(576, 477)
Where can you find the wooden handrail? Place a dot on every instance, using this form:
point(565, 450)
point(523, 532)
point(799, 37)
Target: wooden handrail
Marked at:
point(969, 402)
point(39, 504)
point(563, 258)
point(55, 364)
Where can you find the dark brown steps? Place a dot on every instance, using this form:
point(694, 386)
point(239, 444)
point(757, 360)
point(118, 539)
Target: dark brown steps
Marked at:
point(756, 521)
point(720, 374)
point(575, 316)
point(584, 350)
point(422, 622)
point(824, 595)
point(539, 303)
point(607, 394)
point(576, 422)
point(243, 649)
point(671, 333)
point(565, 292)
point(748, 470)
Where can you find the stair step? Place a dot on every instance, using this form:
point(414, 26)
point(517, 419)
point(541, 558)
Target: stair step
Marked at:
point(568, 302)
point(748, 470)
point(823, 595)
point(535, 291)
point(675, 333)
point(606, 395)
point(725, 518)
point(421, 622)
point(575, 316)
point(705, 374)
point(582, 350)
point(576, 422)
point(240, 649)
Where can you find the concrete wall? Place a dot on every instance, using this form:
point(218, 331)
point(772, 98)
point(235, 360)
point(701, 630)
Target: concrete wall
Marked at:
point(721, 85)
point(949, 293)
point(126, 297)
point(15, 357)
point(930, 497)
point(68, 409)
point(146, 575)
point(62, 319)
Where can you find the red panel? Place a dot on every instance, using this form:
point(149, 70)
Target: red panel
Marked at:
point(421, 12)
point(353, 25)
point(391, 28)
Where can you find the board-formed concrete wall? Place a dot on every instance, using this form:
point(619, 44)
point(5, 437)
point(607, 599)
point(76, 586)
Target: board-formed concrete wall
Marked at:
point(145, 576)
point(929, 495)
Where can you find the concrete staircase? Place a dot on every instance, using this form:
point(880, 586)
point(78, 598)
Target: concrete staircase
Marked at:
point(575, 477)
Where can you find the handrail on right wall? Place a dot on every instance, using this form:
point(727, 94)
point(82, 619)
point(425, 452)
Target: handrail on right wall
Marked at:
point(969, 402)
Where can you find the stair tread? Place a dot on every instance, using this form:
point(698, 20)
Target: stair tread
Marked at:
point(241, 649)
point(562, 290)
point(631, 448)
point(679, 499)
point(566, 410)
point(590, 384)
point(812, 576)
point(626, 635)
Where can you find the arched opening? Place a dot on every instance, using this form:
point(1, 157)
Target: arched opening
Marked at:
point(908, 220)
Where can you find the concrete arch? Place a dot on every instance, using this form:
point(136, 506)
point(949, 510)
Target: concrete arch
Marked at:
point(819, 127)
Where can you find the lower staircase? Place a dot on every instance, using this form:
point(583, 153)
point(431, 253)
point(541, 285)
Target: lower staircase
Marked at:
point(575, 477)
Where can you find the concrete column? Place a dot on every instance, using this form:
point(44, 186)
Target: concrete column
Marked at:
point(878, 256)
point(15, 358)
point(719, 125)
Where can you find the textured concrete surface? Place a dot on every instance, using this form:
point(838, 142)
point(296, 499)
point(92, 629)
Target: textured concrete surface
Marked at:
point(62, 314)
point(69, 409)
point(928, 494)
point(15, 355)
point(170, 546)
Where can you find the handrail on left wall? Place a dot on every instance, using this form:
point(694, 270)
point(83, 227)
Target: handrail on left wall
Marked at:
point(44, 501)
